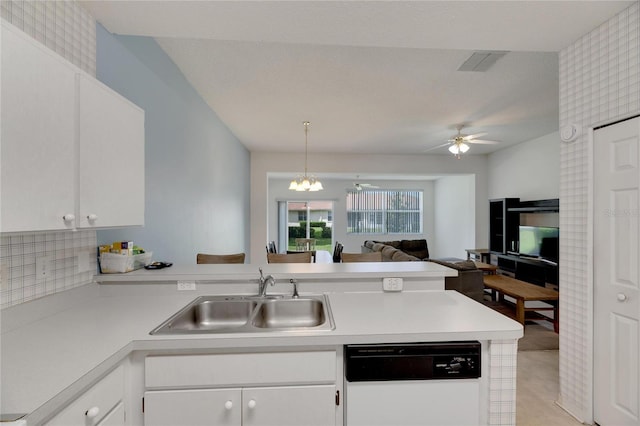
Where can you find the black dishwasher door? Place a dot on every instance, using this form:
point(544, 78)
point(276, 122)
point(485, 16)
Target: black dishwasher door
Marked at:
point(412, 361)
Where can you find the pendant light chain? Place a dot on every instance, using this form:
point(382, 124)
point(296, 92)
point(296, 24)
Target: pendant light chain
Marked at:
point(306, 182)
point(306, 143)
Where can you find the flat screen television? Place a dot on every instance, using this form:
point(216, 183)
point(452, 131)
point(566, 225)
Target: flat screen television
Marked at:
point(539, 242)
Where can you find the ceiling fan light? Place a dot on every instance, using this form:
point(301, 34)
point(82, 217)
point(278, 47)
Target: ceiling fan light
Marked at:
point(464, 147)
point(454, 149)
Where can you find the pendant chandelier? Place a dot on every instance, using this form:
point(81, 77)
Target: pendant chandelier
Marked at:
point(305, 182)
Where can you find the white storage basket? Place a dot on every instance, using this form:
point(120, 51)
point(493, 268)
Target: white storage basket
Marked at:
point(113, 263)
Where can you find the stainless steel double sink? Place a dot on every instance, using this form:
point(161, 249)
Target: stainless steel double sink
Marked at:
point(250, 314)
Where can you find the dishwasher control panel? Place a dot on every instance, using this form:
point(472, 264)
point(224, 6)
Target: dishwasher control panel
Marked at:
point(413, 361)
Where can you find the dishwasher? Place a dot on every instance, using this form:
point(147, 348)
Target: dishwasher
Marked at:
point(413, 384)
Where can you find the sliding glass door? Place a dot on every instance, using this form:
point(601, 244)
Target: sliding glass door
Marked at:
point(305, 219)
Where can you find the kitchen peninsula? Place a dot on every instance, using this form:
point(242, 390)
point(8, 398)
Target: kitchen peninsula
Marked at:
point(61, 351)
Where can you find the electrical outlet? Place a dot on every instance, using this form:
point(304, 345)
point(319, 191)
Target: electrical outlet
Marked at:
point(43, 267)
point(186, 285)
point(392, 284)
point(84, 261)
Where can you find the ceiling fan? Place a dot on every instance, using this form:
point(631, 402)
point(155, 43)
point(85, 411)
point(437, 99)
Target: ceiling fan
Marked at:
point(458, 143)
point(359, 186)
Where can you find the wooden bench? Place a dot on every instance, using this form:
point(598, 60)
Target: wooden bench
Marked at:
point(486, 267)
point(501, 285)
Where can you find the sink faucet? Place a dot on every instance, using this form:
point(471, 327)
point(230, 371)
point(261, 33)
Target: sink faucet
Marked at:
point(263, 282)
point(295, 288)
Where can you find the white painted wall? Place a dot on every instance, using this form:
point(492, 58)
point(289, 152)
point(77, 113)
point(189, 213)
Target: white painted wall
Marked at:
point(529, 170)
point(454, 212)
point(196, 170)
point(263, 200)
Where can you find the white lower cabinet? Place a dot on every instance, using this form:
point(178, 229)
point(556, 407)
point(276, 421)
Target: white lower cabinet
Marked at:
point(289, 406)
point(101, 405)
point(115, 417)
point(193, 407)
point(282, 406)
point(248, 389)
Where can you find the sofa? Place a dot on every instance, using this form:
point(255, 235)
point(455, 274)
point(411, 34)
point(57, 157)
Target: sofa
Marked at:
point(469, 281)
point(399, 250)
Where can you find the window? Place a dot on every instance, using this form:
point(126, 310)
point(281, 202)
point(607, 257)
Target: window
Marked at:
point(302, 215)
point(384, 212)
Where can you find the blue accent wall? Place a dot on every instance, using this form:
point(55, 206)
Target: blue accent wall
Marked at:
point(196, 170)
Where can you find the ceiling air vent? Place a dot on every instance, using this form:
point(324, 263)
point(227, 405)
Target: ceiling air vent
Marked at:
point(481, 61)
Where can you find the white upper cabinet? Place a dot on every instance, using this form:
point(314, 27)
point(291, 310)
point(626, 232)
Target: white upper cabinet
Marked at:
point(37, 136)
point(111, 158)
point(72, 149)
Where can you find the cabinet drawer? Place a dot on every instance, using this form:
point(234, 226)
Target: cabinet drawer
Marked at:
point(105, 395)
point(240, 369)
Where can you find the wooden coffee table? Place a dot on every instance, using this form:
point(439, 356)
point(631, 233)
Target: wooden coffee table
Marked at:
point(502, 285)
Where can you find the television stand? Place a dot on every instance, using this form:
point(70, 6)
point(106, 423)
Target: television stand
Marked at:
point(531, 270)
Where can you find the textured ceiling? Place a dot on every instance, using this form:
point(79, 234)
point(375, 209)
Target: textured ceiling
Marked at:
point(374, 77)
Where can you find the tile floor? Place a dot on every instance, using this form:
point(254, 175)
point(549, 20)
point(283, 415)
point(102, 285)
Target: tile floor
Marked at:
point(537, 390)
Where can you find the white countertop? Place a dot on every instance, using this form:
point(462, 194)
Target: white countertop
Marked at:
point(244, 272)
point(91, 329)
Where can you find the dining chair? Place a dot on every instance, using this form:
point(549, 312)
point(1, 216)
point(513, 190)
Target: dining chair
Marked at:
point(375, 256)
point(313, 253)
point(303, 257)
point(202, 258)
point(305, 244)
point(337, 252)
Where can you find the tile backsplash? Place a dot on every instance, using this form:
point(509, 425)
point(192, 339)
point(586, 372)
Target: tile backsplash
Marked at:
point(65, 27)
point(64, 251)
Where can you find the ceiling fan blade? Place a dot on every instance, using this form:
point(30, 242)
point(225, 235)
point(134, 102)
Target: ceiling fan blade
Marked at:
point(482, 142)
point(474, 136)
point(437, 147)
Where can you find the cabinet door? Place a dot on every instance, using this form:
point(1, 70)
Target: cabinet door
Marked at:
point(97, 404)
point(193, 407)
point(116, 417)
point(38, 157)
point(289, 406)
point(111, 134)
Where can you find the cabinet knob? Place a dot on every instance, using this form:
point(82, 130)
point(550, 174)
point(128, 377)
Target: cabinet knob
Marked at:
point(228, 405)
point(69, 217)
point(92, 217)
point(252, 403)
point(622, 297)
point(92, 412)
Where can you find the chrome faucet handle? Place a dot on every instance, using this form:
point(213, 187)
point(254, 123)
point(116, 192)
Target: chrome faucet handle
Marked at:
point(295, 288)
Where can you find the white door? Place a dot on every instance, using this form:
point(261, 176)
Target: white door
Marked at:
point(193, 407)
point(289, 406)
point(38, 136)
point(616, 274)
point(111, 133)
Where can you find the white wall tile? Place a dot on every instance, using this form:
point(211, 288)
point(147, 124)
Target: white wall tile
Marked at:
point(63, 26)
point(599, 82)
